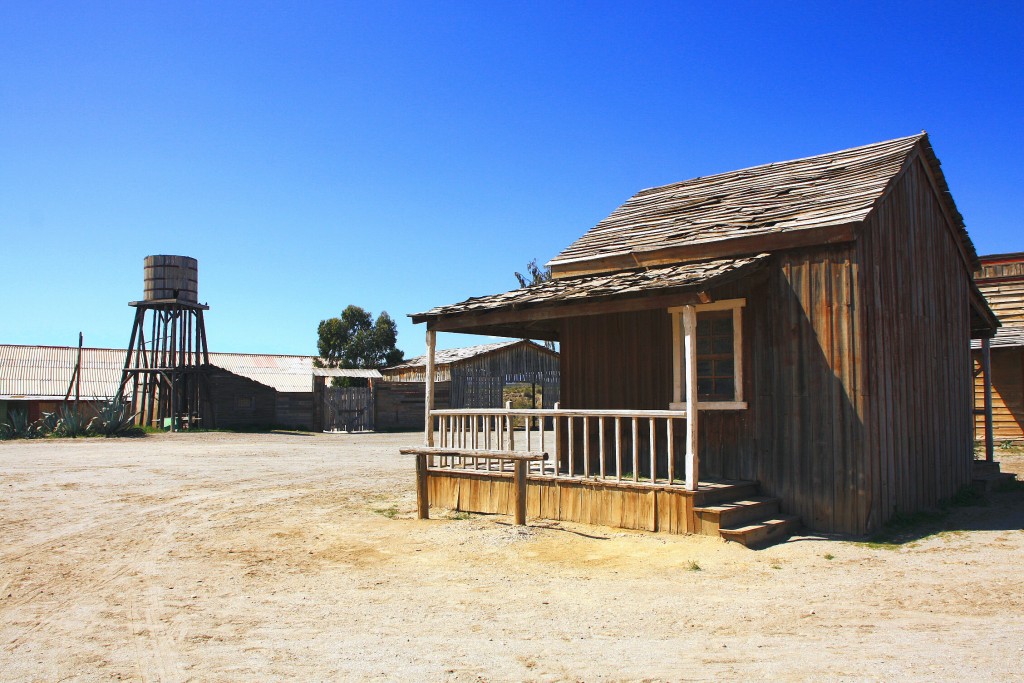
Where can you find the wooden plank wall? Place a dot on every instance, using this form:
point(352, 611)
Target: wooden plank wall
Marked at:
point(1007, 394)
point(915, 290)
point(614, 505)
point(294, 409)
point(237, 401)
point(398, 406)
point(478, 382)
point(804, 404)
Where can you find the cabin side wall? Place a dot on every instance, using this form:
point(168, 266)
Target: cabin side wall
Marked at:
point(807, 402)
point(916, 292)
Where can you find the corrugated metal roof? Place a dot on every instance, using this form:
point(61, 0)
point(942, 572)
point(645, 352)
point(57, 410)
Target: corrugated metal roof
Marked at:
point(447, 356)
point(347, 372)
point(43, 372)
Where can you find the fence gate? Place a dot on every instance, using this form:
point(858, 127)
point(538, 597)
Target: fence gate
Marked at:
point(348, 409)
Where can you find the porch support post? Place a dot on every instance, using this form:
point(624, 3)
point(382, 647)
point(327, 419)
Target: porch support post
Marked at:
point(428, 403)
point(986, 369)
point(690, 360)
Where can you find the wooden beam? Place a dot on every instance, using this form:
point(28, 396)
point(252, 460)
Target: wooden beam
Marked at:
point(428, 426)
point(525, 315)
point(736, 246)
point(692, 411)
point(986, 367)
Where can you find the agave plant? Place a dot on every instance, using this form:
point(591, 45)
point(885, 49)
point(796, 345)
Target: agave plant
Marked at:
point(72, 423)
point(20, 427)
point(47, 424)
point(115, 417)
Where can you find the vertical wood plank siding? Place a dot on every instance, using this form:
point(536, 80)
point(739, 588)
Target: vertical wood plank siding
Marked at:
point(858, 371)
point(1007, 394)
point(915, 289)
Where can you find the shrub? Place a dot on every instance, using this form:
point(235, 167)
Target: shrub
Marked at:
point(114, 418)
point(72, 423)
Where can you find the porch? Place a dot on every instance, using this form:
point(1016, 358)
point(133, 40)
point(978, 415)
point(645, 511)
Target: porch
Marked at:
point(625, 469)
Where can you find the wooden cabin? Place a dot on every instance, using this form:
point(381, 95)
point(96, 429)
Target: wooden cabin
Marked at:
point(1001, 281)
point(742, 353)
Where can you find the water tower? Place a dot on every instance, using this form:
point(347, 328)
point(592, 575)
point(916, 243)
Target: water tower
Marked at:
point(165, 369)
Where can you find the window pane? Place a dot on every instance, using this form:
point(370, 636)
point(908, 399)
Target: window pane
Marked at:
point(723, 326)
point(703, 326)
point(705, 368)
point(723, 368)
point(725, 388)
point(703, 345)
point(705, 387)
point(721, 344)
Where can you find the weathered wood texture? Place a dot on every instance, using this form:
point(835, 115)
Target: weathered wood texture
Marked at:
point(1007, 394)
point(1001, 280)
point(238, 401)
point(915, 290)
point(171, 277)
point(477, 379)
point(399, 406)
point(293, 409)
point(606, 504)
point(858, 371)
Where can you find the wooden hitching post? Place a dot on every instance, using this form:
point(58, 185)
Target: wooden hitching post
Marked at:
point(422, 492)
point(690, 358)
point(519, 479)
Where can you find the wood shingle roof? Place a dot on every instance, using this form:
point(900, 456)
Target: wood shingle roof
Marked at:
point(800, 196)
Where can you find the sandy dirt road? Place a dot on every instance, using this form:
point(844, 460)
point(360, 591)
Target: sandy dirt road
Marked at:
point(231, 557)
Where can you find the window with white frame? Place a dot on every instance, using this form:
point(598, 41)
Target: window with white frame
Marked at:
point(719, 351)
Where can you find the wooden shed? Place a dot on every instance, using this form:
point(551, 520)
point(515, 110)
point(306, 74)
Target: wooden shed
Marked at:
point(1001, 280)
point(742, 353)
point(481, 376)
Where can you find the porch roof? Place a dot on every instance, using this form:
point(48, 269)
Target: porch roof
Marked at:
point(527, 311)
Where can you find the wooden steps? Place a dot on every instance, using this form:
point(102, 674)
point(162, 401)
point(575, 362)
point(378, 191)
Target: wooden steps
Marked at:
point(987, 476)
point(737, 513)
point(767, 532)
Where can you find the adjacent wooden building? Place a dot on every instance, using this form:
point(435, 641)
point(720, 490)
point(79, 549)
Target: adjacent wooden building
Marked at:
point(743, 352)
point(1001, 280)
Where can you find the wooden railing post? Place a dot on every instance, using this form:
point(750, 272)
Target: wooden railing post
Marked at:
point(690, 358)
point(422, 490)
point(429, 398)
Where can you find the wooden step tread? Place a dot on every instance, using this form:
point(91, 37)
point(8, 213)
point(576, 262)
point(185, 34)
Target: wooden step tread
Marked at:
point(753, 501)
point(776, 520)
point(763, 533)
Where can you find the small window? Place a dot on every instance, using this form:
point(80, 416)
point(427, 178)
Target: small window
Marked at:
point(719, 359)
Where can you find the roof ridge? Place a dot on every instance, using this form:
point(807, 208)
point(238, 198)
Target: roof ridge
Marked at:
point(916, 137)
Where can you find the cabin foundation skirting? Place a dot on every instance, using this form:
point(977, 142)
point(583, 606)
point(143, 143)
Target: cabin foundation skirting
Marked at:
point(622, 505)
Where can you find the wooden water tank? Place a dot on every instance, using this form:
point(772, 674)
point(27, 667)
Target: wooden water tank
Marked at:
point(171, 277)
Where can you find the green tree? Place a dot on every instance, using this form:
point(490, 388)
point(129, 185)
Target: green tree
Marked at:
point(536, 274)
point(355, 340)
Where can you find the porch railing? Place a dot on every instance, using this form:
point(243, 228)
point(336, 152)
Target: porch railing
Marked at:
point(640, 446)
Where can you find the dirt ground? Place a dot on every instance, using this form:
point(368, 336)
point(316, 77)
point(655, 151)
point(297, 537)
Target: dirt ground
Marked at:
point(235, 557)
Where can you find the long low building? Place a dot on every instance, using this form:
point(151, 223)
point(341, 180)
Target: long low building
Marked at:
point(246, 389)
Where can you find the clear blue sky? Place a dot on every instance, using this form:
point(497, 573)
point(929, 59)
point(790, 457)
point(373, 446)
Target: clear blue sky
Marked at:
point(400, 156)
